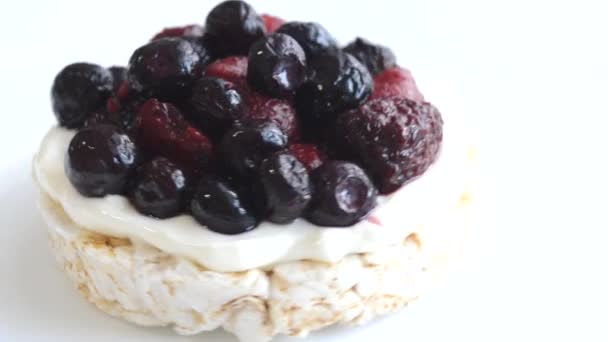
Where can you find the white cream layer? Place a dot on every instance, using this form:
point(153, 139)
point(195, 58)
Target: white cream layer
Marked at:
point(422, 203)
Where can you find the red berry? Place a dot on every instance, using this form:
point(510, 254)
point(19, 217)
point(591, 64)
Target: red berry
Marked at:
point(123, 91)
point(183, 31)
point(112, 105)
point(232, 69)
point(396, 82)
point(394, 139)
point(309, 155)
point(278, 111)
point(272, 23)
point(161, 129)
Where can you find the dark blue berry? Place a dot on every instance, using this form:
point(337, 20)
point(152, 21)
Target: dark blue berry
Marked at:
point(312, 37)
point(159, 189)
point(343, 195)
point(231, 27)
point(217, 205)
point(286, 186)
point(277, 65)
point(78, 90)
point(338, 83)
point(215, 105)
point(100, 160)
point(376, 58)
point(167, 68)
point(119, 75)
point(243, 149)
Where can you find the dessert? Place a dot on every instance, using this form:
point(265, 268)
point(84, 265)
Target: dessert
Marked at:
point(249, 174)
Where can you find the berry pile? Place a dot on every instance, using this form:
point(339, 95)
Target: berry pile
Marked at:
point(244, 119)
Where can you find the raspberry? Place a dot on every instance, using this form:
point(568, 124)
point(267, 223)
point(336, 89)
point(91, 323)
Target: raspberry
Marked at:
point(394, 139)
point(182, 31)
point(161, 130)
point(272, 23)
point(232, 69)
point(396, 82)
point(278, 111)
point(309, 155)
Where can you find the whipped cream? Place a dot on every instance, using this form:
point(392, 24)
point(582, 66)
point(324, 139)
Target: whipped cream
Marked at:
point(420, 204)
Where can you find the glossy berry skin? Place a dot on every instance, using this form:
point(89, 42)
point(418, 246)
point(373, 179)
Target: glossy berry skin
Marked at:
point(309, 155)
point(343, 195)
point(287, 187)
point(396, 82)
point(217, 205)
point(231, 27)
point(232, 69)
point(312, 37)
point(394, 139)
point(161, 129)
point(167, 68)
point(272, 23)
point(216, 104)
point(159, 189)
point(376, 58)
point(182, 31)
point(78, 90)
point(277, 65)
point(339, 82)
point(244, 149)
point(119, 75)
point(100, 160)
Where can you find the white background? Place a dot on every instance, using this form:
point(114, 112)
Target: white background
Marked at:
point(529, 77)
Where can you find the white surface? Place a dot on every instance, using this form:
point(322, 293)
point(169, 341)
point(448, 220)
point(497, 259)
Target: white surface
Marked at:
point(530, 77)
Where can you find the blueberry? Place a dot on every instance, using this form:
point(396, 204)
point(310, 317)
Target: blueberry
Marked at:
point(277, 65)
point(100, 160)
point(343, 195)
point(231, 27)
point(286, 186)
point(243, 149)
point(78, 90)
point(217, 205)
point(338, 83)
point(167, 68)
point(312, 37)
point(160, 189)
point(376, 58)
point(215, 105)
point(119, 75)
